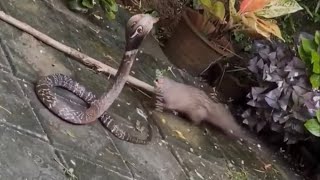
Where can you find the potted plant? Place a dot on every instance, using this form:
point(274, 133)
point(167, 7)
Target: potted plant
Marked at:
point(201, 38)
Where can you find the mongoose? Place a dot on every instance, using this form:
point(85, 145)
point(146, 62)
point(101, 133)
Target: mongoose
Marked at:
point(196, 105)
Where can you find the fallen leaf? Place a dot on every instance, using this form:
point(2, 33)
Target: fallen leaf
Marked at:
point(179, 134)
point(70, 134)
point(163, 121)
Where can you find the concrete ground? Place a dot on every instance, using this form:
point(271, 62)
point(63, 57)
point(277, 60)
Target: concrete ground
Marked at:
point(35, 144)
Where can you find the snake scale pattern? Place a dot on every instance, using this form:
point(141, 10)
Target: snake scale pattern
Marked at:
point(138, 27)
point(45, 92)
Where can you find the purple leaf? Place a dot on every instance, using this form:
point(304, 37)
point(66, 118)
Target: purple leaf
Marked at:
point(281, 72)
point(273, 68)
point(299, 90)
point(280, 53)
point(246, 113)
point(256, 91)
point(272, 103)
point(303, 83)
point(254, 103)
point(297, 63)
point(276, 127)
point(272, 56)
point(275, 77)
point(274, 94)
point(276, 116)
point(284, 101)
point(263, 53)
point(295, 98)
point(260, 64)
point(253, 67)
point(261, 125)
point(284, 119)
point(295, 73)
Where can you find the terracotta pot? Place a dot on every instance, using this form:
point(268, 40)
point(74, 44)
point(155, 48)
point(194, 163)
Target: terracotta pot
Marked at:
point(188, 49)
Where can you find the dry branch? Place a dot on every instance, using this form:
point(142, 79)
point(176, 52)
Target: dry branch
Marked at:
point(83, 58)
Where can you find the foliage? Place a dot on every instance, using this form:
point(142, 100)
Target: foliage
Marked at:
point(279, 8)
point(291, 23)
point(242, 40)
point(313, 13)
point(309, 51)
point(110, 7)
point(253, 16)
point(253, 13)
point(313, 125)
point(284, 99)
point(213, 10)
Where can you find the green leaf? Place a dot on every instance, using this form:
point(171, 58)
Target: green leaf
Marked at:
point(315, 59)
point(88, 3)
point(215, 10)
point(303, 55)
point(110, 15)
point(315, 80)
point(206, 3)
point(218, 10)
point(76, 5)
point(110, 7)
point(113, 5)
point(279, 8)
point(234, 16)
point(317, 37)
point(313, 127)
point(308, 45)
point(318, 115)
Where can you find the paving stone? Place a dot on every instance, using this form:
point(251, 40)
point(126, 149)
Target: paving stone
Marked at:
point(194, 145)
point(84, 169)
point(29, 57)
point(24, 157)
point(186, 152)
point(151, 162)
point(68, 29)
point(15, 110)
point(198, 167)
point(4, 64)
point(90, 141)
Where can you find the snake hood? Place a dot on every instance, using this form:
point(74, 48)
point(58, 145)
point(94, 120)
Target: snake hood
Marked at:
point(137, 28)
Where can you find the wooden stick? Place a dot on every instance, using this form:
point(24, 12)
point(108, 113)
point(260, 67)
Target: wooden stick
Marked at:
point(82, 58)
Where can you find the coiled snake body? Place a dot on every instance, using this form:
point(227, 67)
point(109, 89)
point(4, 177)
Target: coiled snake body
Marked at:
point(137, 28)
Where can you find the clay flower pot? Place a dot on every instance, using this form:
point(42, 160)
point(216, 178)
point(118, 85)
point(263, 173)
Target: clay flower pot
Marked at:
point(189, 49)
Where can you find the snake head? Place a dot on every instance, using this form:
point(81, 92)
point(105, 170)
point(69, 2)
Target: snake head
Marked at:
point(138, 27)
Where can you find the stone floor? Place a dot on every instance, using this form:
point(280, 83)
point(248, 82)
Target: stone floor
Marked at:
point(35, 144)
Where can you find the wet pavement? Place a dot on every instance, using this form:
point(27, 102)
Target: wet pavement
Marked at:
point(35, 144)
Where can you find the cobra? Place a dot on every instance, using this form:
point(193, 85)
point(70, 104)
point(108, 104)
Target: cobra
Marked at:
point(137, 28)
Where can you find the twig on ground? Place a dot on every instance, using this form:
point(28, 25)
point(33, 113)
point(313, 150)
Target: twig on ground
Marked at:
point(5, 110)
point(82, 58)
